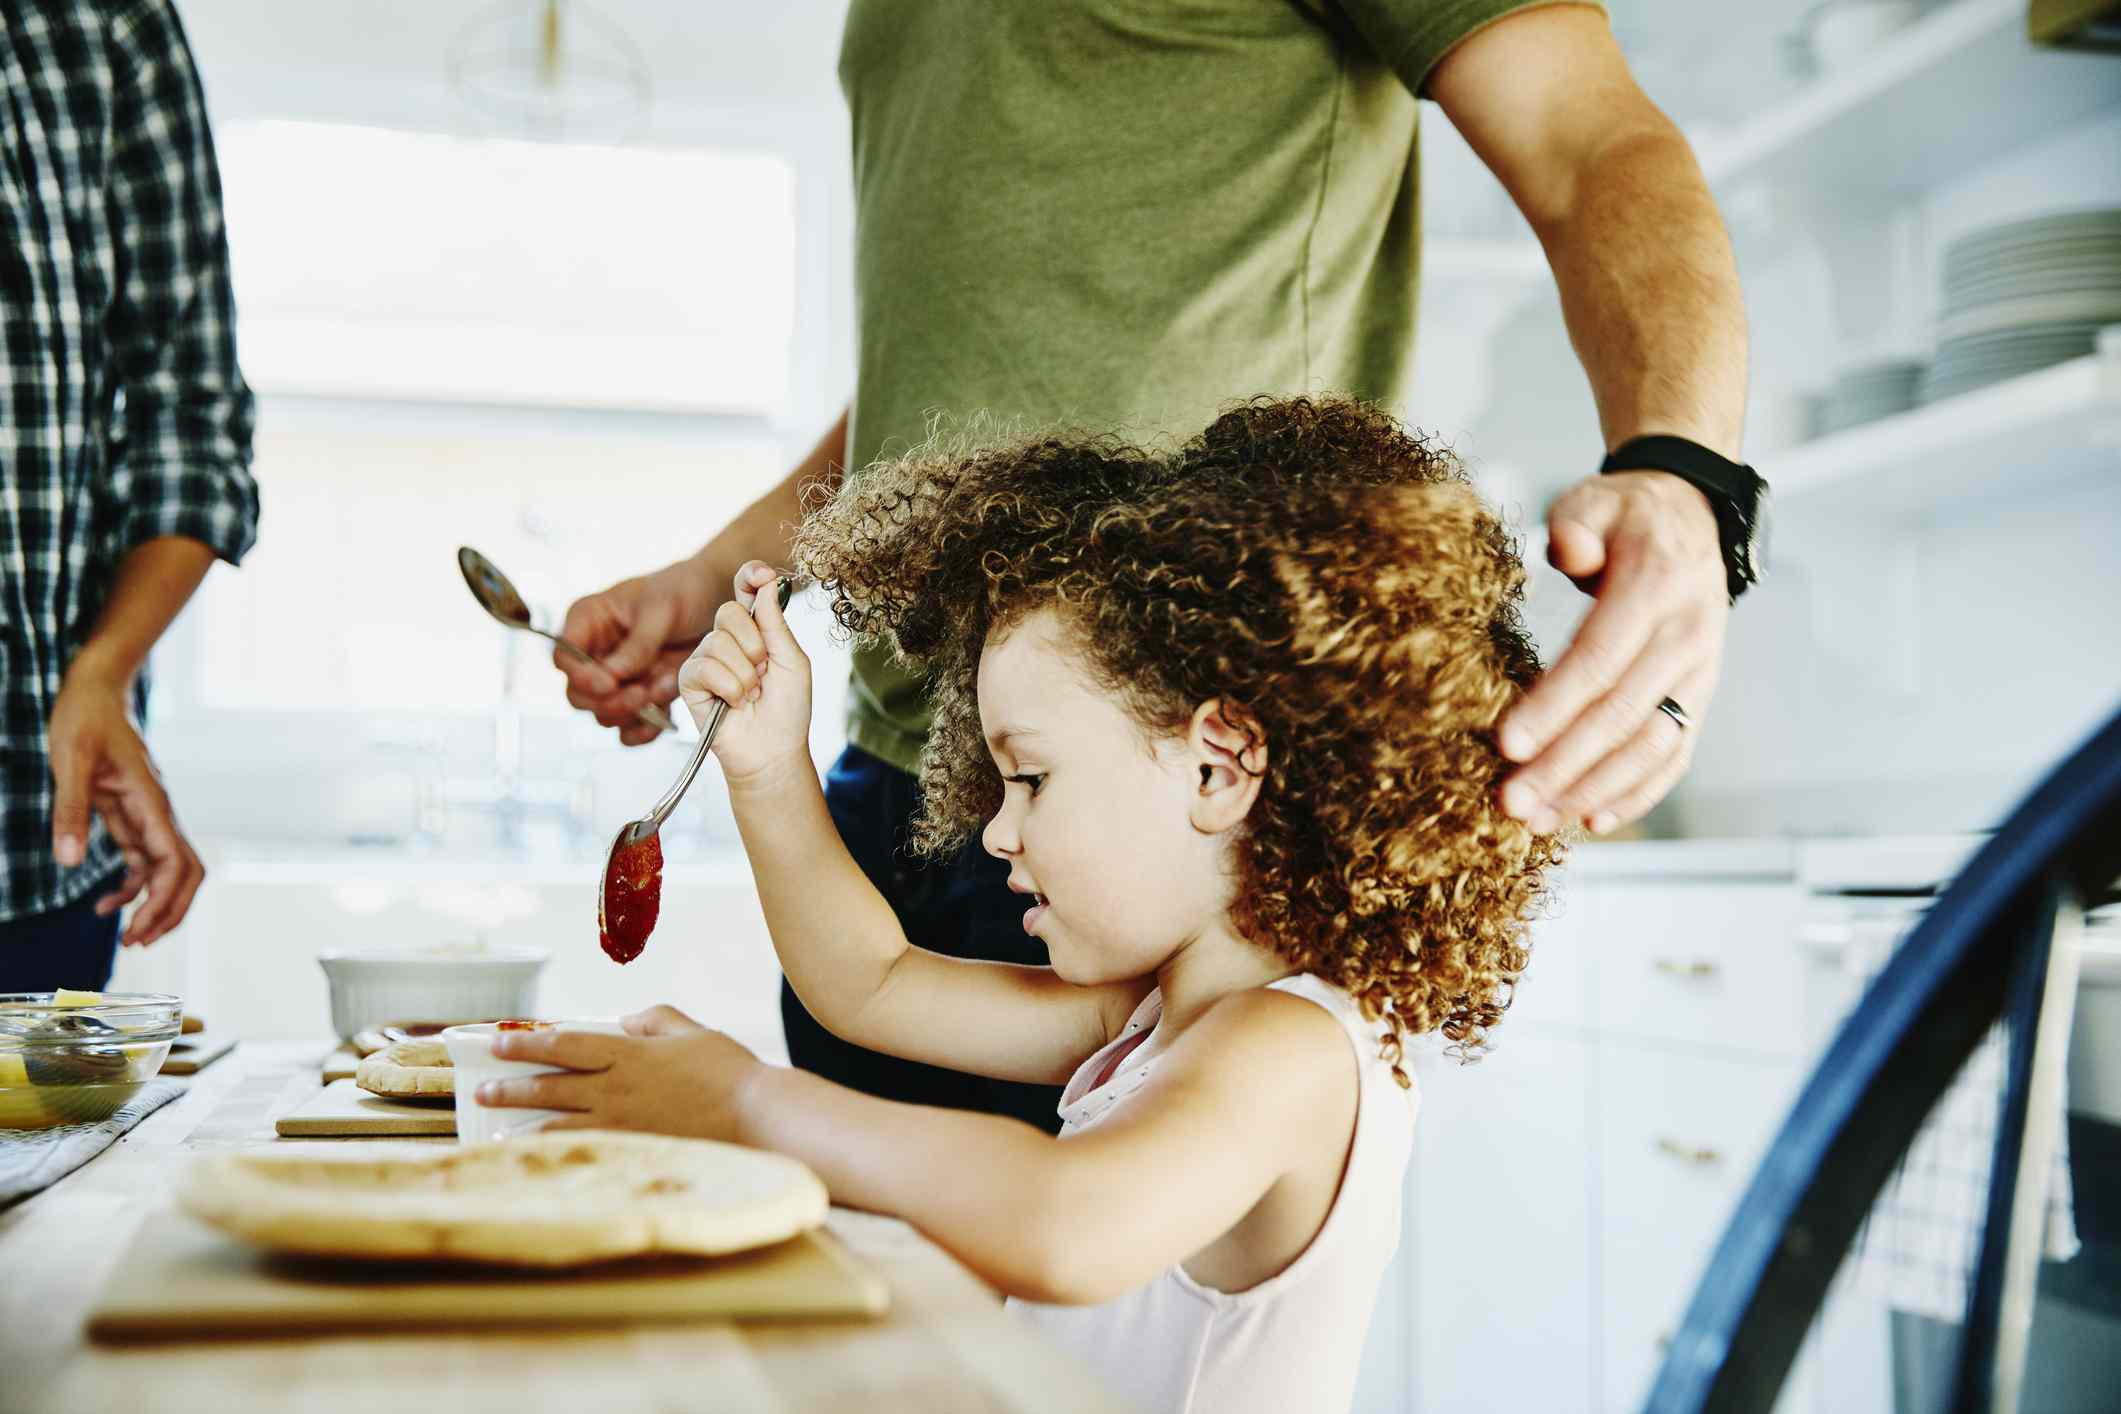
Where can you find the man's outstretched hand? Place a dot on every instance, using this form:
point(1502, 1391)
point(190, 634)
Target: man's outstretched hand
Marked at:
point(1596, 750)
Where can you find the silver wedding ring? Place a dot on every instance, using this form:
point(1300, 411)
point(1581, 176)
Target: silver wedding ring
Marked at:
point(1676, 712)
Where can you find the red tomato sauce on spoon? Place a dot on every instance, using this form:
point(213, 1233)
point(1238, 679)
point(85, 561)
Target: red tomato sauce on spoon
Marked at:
point(633, 894)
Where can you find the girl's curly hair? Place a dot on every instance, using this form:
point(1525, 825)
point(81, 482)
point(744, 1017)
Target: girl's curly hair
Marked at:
point(1332, 579)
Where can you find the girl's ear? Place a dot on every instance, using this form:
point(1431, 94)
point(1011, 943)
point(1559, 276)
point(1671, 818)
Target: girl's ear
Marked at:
point(1227, 748)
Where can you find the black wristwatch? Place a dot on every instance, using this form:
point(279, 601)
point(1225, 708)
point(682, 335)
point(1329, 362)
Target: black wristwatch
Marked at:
point(1735, 491)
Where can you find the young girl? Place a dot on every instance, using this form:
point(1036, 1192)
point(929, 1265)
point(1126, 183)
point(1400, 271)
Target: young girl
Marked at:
point(1225, 715)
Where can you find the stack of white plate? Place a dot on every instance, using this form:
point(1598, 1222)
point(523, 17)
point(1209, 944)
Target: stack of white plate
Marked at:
point(2021, 296)
point(1869, 391)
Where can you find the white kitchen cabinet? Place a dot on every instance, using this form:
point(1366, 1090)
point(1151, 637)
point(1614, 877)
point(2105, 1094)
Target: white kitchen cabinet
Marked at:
point(1496, 1235)
point(1553, 992)
point(1566, 1190)
point(1709, 963)
point(1497, 1240)
point(1852, 1350)
point(1679, 1134)
point(1500, 1219)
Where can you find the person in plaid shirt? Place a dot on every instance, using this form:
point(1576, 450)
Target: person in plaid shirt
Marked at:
point(125, 435)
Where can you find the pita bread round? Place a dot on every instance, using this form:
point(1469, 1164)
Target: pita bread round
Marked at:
point(408, 1070)
point(544, 1200)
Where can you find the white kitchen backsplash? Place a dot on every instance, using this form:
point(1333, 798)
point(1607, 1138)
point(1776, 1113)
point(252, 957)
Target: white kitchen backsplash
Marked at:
point(1914, 676)
point(246, 956)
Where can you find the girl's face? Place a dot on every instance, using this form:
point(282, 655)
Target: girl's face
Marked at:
point(1094, 819)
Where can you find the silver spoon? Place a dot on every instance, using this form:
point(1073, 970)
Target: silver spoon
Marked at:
point(633, 832)
point(498, 597)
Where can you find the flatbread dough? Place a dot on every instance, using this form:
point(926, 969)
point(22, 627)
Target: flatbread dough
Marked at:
point(544, 1200)
point(408, 1070)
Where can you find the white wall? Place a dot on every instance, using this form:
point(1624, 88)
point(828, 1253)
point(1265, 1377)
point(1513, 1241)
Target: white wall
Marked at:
point(1911, 679)
point(1885, 679)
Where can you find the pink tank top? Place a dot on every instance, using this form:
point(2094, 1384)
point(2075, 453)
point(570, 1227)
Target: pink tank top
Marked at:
point(1295, 1340)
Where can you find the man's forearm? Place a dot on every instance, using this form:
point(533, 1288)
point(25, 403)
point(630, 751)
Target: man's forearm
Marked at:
point(1649, 288)
point(154, 582)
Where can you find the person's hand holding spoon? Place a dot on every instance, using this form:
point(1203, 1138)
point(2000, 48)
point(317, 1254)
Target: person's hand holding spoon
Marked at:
point(497, 596)
point(748, 688)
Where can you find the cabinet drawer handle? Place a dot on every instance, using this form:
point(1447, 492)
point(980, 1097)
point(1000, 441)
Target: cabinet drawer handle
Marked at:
point(1689, 1153)
point(1694, 967)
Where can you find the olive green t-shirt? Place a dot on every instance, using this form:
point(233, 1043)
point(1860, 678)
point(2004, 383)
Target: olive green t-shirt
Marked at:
point(1121, 215)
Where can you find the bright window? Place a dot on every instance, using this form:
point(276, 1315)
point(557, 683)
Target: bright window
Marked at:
point(352, 601)
point(576, 359)
point(372, 263)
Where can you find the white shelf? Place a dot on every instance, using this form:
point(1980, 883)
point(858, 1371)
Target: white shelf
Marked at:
point(2058, 427)
point(1957, 88)
point(1766, 856)
point(1512, 260)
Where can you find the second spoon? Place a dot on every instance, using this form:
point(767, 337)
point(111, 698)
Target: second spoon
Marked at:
point(498, 597)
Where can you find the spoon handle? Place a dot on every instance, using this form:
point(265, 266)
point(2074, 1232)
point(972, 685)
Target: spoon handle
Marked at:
point(661, 811)
point(651, 714)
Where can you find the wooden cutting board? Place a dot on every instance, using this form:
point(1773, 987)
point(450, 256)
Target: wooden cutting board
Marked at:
point(343, 1109)
point(195, 1052)
point(182, 1278)
point(340, 1064)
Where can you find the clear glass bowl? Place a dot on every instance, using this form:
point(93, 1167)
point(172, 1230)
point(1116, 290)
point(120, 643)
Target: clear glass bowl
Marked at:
point(77, 1064)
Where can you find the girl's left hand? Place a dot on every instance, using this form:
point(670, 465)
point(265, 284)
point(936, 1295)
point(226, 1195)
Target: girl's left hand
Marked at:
point(668, 1074)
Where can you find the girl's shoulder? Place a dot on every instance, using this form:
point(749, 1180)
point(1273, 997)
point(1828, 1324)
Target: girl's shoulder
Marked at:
point(1294, 1034)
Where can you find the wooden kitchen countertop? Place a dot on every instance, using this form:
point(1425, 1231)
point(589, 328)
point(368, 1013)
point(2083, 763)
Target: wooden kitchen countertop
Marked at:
point(945, 1345)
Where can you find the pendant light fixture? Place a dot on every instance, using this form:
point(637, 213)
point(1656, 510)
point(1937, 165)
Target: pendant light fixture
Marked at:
point(552, 70)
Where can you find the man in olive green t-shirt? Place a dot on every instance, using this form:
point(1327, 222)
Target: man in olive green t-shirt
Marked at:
point(1113, 215)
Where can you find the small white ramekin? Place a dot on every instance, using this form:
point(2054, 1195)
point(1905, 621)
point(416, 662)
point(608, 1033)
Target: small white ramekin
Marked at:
point(471, 1055)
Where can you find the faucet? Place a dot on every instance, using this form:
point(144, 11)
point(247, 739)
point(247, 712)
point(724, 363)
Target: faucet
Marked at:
point(515, 800)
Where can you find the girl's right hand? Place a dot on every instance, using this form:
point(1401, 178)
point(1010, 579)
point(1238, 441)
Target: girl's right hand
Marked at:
point(752, 662)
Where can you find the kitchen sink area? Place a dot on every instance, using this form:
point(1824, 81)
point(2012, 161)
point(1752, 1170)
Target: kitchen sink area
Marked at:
point(249, 961)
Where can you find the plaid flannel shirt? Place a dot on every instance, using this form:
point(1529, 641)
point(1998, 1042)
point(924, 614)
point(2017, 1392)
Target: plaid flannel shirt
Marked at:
point(123, 416)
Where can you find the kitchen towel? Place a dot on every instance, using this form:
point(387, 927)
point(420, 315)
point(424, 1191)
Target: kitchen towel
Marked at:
point(35, 1159)
point(1919, 1245)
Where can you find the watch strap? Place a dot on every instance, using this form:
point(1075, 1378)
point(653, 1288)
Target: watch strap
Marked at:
point(1733, 490)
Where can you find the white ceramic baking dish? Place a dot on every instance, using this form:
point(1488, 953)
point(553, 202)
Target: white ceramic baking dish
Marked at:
point(379, 986)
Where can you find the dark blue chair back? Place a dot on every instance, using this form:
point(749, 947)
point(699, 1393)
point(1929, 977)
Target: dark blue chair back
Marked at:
point(1981, 954)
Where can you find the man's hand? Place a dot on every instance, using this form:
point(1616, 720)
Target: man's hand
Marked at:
point(1649, 291)
point(667, 1075)
point(1599, 752)
point(640, 631)
point(100, 764)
